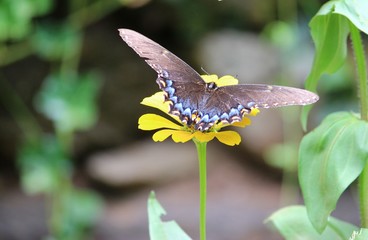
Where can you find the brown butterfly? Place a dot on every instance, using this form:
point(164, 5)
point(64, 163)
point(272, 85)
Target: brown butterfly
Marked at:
point(202, 104)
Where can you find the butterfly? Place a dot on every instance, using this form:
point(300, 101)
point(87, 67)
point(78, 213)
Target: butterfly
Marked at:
point(200, 104)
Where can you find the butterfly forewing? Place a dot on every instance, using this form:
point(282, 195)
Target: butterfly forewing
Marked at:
point(165, 63)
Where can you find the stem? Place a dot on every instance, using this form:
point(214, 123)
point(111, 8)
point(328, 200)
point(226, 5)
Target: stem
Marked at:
point(92, 13)
point(15, 52)
point(201, 149)
point(362, 76)
point(59, 206)
point(62, 189)
point(362, 71)
point(19, 111)
point(363, 197)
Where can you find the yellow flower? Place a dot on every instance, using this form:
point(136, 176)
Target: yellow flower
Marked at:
point(180, 132)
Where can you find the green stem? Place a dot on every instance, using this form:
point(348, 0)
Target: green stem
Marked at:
point(19, 111)
point(201, 149)
point(362, 70)
point(363, 197)
point(59, 198)
point(62, 190)
point(15, 52)
point(92, 13)
point(362, 76)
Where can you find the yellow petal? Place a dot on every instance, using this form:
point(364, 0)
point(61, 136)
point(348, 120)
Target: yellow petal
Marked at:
point(230, 138)
point(157, 100)
point(209, 78)
point(151, 121)
point(204, 137)
point(243, 123)
point(254, 112)
point(161, 135)
point(181, 136)
point(220, 125)
point(226, 81)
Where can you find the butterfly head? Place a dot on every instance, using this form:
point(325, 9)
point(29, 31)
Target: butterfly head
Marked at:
point(211, 86)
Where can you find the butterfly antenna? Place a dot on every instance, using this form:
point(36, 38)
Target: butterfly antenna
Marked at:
point(204, 70)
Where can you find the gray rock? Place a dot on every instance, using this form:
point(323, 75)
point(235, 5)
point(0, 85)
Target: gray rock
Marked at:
point(144, 163)
point(241, 54)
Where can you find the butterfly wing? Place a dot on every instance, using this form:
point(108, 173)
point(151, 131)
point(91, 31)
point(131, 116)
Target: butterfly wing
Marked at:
point(267, 96)
point(165, 63)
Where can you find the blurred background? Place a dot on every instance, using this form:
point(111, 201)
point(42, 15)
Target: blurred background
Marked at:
point(75, 166)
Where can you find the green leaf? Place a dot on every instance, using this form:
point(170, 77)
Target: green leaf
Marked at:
point(331, 157)
point(41, 163)
point(362, 234)
point(329, 32)
point(329, 29)
point(293, 224)
point(158, 229)
point(355, 11)
point(69, 101)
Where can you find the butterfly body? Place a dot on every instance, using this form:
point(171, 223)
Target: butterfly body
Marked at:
point(200, 104)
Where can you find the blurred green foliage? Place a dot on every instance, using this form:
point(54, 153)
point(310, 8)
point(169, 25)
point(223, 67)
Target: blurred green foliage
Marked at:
point(42, 162)
point(69, 101)
point(78, 212)
point(54, 41)
point(16, 17)
point(67, 98)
